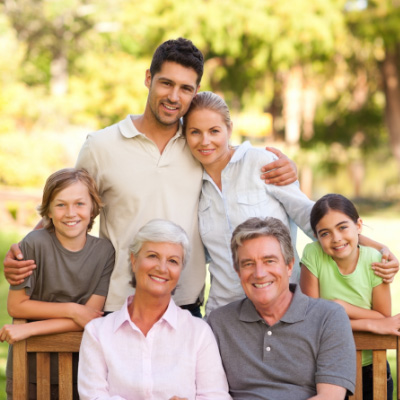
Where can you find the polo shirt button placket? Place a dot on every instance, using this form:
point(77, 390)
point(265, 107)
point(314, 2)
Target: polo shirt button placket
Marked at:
point(268, 348)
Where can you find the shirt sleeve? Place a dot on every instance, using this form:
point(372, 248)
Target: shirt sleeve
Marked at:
point(92, 367)
point(211, 382)
point(310, 259)
point(336, 361)
point(296, 204)
point(29, 254)
point(374, 256)
point(87, 159)
point(109, 262)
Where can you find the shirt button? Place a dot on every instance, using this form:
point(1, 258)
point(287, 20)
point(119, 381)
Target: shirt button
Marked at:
point(268, 349)
point(269, 333)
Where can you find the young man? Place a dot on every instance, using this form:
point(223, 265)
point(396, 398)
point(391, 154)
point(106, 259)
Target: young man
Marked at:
point(278, 343)
point(144, 170)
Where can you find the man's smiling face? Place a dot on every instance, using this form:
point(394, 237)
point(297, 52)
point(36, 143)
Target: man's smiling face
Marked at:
point(263, 272)
point(170, 92)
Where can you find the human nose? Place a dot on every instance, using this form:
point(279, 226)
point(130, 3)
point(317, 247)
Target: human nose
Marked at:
point(70, 211)
point(173, 95)
point(259, 271)
point(205, 139)
point(336, 236)
point(162, 265)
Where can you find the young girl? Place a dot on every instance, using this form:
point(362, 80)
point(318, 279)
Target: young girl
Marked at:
point(337, 268)
point(70, 284)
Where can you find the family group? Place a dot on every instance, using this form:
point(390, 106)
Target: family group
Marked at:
point(173, 197)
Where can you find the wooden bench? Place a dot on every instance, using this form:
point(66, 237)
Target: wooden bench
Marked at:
point(62, 343)
point(67, 343)
point(378, 344)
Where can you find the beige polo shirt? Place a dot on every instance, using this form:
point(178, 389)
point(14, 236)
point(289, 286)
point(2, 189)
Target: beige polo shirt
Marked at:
point(137, 184)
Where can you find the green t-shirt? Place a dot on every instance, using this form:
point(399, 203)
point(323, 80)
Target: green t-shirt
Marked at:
point(355, 288)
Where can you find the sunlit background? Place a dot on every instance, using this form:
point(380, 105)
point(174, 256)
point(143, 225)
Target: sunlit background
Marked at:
point(318, 79)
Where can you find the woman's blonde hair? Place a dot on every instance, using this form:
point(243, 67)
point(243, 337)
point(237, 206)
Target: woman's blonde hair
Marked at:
point(208, 101)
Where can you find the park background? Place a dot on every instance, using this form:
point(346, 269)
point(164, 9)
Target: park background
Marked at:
point(317, 78)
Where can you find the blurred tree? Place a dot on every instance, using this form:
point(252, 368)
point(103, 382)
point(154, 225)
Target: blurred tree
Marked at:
point(377, 25)
point(51, 32)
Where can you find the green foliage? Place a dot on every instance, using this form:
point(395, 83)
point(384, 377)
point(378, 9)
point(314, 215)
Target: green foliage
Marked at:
point(6, 239)
point(249, 47)
point(102, 96)
point(27, 160)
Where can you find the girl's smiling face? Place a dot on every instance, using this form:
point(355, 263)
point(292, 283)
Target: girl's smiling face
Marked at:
point(208, 137)
point(338, 235)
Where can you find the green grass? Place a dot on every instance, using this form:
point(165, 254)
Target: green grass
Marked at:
point(6, 239)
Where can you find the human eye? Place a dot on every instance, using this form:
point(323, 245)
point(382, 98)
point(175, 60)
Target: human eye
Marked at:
point(174, 261)
point(246, 264)
point(215, 131)
point(323, 234)
point(188, 89)
point(81, 203)
point(194, 132)
point(59, 205)
point(343, 227)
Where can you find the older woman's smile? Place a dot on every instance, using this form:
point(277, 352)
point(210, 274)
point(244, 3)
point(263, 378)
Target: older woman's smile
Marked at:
point(157, 267)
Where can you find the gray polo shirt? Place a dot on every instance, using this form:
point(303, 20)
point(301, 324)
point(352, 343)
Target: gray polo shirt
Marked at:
point(312, 343)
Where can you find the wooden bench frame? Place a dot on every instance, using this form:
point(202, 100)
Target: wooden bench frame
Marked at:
point(378, 344)
point(62, 343)
point(67, 343)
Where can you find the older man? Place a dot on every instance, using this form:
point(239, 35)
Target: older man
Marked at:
point(278, 343)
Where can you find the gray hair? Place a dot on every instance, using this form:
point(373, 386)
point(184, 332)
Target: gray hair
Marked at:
point(158, 231)
point(258, 227)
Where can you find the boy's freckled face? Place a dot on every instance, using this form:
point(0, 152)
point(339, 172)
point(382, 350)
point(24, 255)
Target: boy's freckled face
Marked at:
point(71, 210)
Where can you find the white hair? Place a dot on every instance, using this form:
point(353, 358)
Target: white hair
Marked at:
point(160, 231)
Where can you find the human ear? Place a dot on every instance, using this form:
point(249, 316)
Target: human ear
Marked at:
point(290, 267)
point(230, 129)
point(359, 225)
point(133, 262)
point(147, 79)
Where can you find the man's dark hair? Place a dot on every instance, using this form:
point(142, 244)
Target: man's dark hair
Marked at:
point(183, 52)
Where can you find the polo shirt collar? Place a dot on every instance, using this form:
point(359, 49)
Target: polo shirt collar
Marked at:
point(128, 128)
point(122, 316)
point(295, 313)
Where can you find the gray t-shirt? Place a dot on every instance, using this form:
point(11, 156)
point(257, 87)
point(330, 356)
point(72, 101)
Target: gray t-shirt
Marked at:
point(312, 343)
point(64, 276)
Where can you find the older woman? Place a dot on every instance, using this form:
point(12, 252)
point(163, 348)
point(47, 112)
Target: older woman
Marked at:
point(152, 349)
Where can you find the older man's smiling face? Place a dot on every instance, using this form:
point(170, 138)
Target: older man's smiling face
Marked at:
point(263, 272)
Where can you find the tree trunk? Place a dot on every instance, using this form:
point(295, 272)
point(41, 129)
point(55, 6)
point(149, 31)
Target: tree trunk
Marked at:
point(392, 94)
point(59, 74)
point(292, 108)
point(310, 95)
